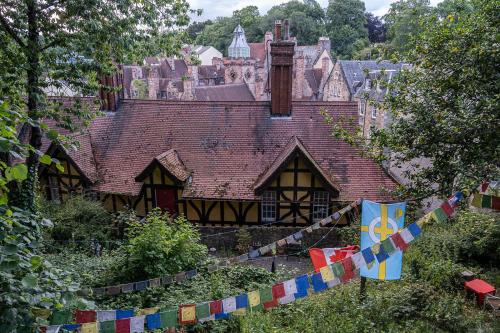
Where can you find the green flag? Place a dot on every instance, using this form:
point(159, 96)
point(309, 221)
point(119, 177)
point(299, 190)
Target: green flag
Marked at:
point(169, 318)
point(338, 269)
point(486, 201)
point(107, 326)
point(202, 311)
point(439, 215)
point(266, 295)
point(388, 246)
point(61, 317)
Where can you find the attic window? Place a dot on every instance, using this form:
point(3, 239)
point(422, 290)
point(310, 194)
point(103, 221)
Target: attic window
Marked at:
point(269, 206)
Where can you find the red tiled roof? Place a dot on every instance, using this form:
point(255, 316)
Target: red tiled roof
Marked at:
point(226, 92)
point(171, 161)
point(226, 146)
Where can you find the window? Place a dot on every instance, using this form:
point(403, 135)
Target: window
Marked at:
point(320, 205)
point(374, 113)
point(54, 189)
point(269, 206)
point(361, 108)
point(367, 84)
point(163, 94)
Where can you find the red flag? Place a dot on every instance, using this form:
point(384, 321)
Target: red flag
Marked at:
point(323, 257)
point(278, 291)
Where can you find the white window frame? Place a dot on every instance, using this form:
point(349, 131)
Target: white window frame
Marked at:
point(268, 206)
point(361, 108)
point(321, 204)
point(367, 84)
point(374, 112)
point(55, 195)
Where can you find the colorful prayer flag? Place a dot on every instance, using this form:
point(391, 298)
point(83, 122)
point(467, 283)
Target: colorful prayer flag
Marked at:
point(241, 301)
point(368, 255)
point(271, 304)
point(326, 273)
point(202, 310)
point(486, 201)
point(169, 318)
point(298, 235)
point(169, 279)
point(337, 268)
point(120, 314)
point(229, 304)
point(290, 287)
point(98, 291)
point(318, 283)
point(266, 294)
point(89, 328)
point(154, 282)
point(71, 327)
point(61, 317)
point(286, 299)
point(179, 277)
point(316, 226)
point(302, 283)
point(216, 307)
point(387, 245)
point(127, 288)
point(333, 283)
point(190, 274)
point(379, 221)
point(106, 315)
point(253, 298)
point(254, 254)
point(414, 230)
point(113, 290)
point(147, 311)
point(406, 235)
point(398, 241)
point(107, 326)
point(476, 200)
point(278, 290)
point(137, 324)
point(326, 221)
point(85, 316)
point(153, 321)
point(122, 325)
point(358, 260)
point(187, 314)
point(141, 285)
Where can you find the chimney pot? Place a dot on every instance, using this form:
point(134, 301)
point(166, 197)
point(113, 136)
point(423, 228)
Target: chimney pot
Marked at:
point(277, 29)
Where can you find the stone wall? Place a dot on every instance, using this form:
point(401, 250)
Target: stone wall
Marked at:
point(224, 239)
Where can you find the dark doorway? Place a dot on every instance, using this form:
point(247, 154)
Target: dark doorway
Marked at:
point(165, 200)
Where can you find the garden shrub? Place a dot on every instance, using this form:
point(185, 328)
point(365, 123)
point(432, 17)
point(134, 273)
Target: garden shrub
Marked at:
point(161, 245)
point(79, 219)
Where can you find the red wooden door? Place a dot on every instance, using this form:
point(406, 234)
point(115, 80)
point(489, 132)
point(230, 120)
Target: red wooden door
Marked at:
point(165, 200)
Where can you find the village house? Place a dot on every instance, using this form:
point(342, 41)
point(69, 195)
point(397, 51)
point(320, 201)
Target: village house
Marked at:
point(220, 163)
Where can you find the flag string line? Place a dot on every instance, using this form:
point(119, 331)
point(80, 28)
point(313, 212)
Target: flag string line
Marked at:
point(313, 279)
point(167, 279)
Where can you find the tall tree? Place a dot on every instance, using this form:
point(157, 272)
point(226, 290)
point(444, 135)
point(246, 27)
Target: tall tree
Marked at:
point(196, 28)
point(346, 26)
point(66, 44)
point(307, 20)
point(376, 28)
point(405, 20)
point(445, 107)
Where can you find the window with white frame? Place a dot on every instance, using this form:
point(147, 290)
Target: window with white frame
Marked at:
point(361, 108)
point(374, 112)
point(367, 84)
point(320, 205)
point(269, 206)
point(54, 189)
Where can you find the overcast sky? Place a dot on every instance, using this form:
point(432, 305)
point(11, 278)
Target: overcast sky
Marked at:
point(214, 8)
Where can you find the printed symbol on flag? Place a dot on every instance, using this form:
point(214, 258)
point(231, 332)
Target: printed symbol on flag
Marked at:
point(379, 221)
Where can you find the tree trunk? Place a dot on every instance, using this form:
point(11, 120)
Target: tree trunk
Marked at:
point(28, 191)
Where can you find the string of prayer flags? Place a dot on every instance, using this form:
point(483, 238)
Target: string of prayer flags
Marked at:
point(121, 314)
point(486, 201)
point(153, 321)
point(187, 314)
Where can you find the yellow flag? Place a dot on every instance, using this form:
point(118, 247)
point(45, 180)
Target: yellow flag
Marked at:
point(254, 298)
point(476, 200)
point(89, 328)
point(188, 313)
point(147, 311)
point(239, 312)
point(424, 220)
point(327, 273)
point(376, 248)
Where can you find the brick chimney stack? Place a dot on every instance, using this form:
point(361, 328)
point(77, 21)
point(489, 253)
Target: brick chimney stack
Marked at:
point(281, 74)
point(111, 90)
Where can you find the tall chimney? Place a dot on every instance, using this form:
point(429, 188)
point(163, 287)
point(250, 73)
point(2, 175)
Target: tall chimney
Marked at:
point(111, 90)
point(281, 74)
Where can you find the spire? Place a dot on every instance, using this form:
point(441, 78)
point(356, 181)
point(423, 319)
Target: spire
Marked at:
point(239, 47)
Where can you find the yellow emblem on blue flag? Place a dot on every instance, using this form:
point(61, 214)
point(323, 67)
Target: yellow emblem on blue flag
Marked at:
point(378, 222)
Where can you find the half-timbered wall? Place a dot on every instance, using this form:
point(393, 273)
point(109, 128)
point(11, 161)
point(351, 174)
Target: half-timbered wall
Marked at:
point(294, 186)
point(65, 183)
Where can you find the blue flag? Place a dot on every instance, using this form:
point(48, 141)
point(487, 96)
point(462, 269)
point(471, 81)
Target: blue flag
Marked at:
point(378, 222)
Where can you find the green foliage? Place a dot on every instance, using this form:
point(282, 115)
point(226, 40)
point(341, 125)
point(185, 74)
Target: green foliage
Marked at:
point(346, 27)
point(405, 21)
point(161, 245)
point(78, 219)
point(28, 282)
point(243, 240)
point(141, 87)
point(307, 20)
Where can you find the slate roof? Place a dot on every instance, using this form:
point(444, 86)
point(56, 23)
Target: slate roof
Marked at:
point(226, 146)
point(354, 70)
point(378, 88)
point(225, 92)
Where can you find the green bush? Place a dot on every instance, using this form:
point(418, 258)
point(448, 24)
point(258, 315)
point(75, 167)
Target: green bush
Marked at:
point(161, 245)
point(79, 219)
